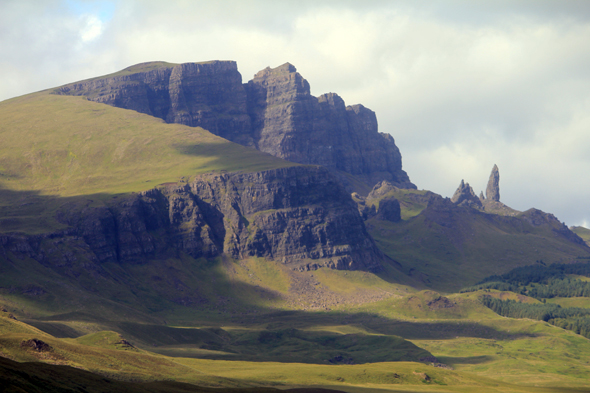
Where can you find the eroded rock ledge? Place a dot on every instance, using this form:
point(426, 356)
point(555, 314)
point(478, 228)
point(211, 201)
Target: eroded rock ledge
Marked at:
point(300, 216)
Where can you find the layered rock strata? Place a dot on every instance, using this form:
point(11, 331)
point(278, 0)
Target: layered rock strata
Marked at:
point(274, 112)
point(299, 216)
point(290, 123)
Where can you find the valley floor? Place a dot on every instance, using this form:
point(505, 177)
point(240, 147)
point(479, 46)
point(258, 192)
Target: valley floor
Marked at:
point(454, 344)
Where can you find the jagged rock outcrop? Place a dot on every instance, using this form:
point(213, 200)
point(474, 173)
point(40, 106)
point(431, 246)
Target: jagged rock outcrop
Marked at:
point(380, 189)
point(273, 112)
point(493, 188)
point(464, 196)
point(491, 202)
point(300, 216)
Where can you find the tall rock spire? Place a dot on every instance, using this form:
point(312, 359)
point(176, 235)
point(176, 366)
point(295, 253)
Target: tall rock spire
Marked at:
point(493, 188)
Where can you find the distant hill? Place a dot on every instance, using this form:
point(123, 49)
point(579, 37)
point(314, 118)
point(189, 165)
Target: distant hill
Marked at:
point(448, 243)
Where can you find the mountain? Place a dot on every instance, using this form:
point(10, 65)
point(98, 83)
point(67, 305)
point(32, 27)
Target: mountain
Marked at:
point(99, 184)
point(274, 112)
point(208, 220)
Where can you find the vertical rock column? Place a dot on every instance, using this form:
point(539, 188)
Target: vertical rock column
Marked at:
point(493, 188)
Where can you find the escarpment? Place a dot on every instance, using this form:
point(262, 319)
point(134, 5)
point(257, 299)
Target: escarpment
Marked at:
point(274, 112)
point(299, 216)
point(290, 123)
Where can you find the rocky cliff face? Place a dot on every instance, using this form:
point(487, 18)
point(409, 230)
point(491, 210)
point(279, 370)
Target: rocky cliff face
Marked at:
point(290, 123)
point(208, 95)
point(299, 216)
point(274, 112)
point(379, 204)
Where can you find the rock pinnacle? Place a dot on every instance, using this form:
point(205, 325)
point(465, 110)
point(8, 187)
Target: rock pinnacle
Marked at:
point(493, 188)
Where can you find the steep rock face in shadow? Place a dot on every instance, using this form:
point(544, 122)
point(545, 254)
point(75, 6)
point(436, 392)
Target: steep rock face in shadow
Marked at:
point(299, 216)
point(389, 210)
point(274, 112)
point(210, 96)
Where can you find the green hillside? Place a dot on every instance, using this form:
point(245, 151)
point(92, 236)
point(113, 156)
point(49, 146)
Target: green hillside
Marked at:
point(490, 354)
point(584, 233)
point(448, 247)
point(57, 147)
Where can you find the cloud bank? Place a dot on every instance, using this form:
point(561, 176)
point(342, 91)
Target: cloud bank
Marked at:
point(461, 85)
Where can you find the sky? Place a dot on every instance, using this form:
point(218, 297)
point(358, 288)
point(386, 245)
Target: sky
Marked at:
point(460, 85)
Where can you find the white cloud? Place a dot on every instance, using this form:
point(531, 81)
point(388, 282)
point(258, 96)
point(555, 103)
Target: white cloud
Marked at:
point(92, 28)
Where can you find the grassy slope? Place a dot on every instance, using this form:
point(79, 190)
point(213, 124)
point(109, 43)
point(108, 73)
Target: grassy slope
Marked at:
point(584, 233)
point(465, 335)
point(467, 248)
point(502, 355)
point(58, 147)
point(446, 249)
